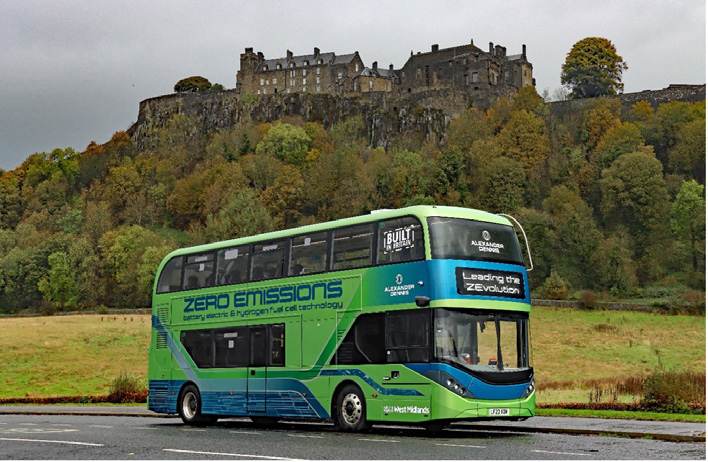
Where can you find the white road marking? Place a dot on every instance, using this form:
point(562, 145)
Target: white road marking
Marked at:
point(460, 445)
point(101, 426)
point(379, 441)
point(145, 428)
point(37, 430)
point(250, 456)
point(192, 429)
point(51, 441)
point(245, 433)
point(560, 453)
point(306, 436)
point(61, 425)
point(29, 424)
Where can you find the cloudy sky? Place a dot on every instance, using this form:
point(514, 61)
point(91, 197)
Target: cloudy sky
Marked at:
point(74, 71)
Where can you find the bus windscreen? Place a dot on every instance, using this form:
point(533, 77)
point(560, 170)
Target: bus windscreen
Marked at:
point(460, 239)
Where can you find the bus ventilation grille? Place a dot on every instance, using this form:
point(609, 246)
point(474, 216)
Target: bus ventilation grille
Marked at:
point(161, 340)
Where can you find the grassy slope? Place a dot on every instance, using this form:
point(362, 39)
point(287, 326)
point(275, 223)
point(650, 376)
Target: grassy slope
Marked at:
point(70, 355)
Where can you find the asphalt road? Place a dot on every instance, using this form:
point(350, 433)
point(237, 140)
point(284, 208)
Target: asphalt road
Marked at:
point(111, 437)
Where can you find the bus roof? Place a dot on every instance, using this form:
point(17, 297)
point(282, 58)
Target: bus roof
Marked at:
point(420, 211)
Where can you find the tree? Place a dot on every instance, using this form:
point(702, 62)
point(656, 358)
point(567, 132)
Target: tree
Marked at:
point(60, 286)
point(286, 142)
point(688, 220)
point(689, 154)
point(634, 195)
point(194, 83)
point(503, 185)
point(593, 68)
point(662, 130)
point(524, 138)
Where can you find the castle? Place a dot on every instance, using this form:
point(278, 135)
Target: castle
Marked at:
point(467, 68)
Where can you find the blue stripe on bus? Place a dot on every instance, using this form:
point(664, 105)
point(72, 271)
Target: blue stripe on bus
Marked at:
point(480, 389)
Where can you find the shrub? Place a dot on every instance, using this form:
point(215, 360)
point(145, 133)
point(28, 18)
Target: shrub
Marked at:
point(680, 392)
point(555, 287)
point(125, 387)
point(695, 301)
point(587, 299)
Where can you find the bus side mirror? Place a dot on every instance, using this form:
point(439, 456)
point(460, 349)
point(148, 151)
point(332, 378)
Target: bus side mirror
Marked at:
point(528, 249)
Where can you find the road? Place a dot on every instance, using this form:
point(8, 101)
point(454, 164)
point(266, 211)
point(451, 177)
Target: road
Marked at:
point(112, 437)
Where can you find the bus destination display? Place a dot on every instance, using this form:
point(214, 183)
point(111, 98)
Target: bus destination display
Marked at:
point(490, 283)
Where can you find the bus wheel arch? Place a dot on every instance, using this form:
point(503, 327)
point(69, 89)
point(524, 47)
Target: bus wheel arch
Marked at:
point(349, 408)
point(189, 406)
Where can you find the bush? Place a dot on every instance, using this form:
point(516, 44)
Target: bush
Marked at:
point(587, 299)
point(695, 301)
point(125, 387)
point(555, 287)
point(680, 392)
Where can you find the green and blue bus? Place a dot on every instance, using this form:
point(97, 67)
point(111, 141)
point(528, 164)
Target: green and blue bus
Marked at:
point(418, 316)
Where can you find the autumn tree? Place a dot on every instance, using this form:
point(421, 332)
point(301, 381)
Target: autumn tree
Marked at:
point(593, 68)
point(524, 139)
point(689, 154)
point(195, 84)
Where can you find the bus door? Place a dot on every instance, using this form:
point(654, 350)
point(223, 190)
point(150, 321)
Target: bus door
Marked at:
point(257, 370)
point(161, 353)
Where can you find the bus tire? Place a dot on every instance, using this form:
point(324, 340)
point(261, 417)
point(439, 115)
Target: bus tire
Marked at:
point(189, 407)
point(351, 410)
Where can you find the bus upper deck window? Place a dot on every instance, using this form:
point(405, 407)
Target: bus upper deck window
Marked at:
point(400, 240)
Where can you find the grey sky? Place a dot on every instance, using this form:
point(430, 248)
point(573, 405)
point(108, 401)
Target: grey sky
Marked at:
point(74, 71)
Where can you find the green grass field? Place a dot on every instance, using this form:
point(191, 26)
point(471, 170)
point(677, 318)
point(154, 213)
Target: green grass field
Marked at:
point(572, 350)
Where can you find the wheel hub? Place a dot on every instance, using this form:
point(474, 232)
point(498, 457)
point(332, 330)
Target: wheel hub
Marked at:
point(351, 409)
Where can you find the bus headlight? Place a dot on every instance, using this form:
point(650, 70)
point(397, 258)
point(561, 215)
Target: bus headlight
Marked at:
point(449, 382)
point(529, 389)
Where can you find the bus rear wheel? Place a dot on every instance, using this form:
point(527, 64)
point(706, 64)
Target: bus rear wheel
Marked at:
point(351, 410)
point(189, 407)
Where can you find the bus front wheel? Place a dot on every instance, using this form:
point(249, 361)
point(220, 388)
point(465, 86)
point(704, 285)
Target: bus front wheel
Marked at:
point(190, 407)
point(351, 410)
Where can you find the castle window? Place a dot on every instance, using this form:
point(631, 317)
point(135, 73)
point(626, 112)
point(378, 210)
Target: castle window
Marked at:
point(275, 81)
point(278, 66)
point(292, 73)
point(318, 80)
point(265, 67)
point(318, 88)
point(318, 70)
point(287, 90)
point(304, 72)
point(259, 92)
point(385, 86)
point(371, 84)
point(356, 67)
point(307, 63)
point(304, 81)
point(304, 89)
point(319, 61)
point(262, 81)
point(267, 82)
point(292, 82)
point(403, 75)
point(475, 77)
point(418, 73)
point(339, 75)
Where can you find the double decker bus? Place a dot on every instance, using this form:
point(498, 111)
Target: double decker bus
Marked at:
point(418, 316)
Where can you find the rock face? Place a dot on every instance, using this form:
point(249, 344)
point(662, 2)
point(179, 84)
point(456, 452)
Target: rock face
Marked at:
point(384, 115)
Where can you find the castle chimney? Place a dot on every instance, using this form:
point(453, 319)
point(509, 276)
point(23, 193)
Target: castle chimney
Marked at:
point(249, 50)
point(523, 51)
point(390, 67)
point(317, 52)
point(289, 54)
point(491, 48)
point(260, 56)
point(434, 48)
point(472, 41)
point(375, 65)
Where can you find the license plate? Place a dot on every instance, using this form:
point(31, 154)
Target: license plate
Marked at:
point(499, 411)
